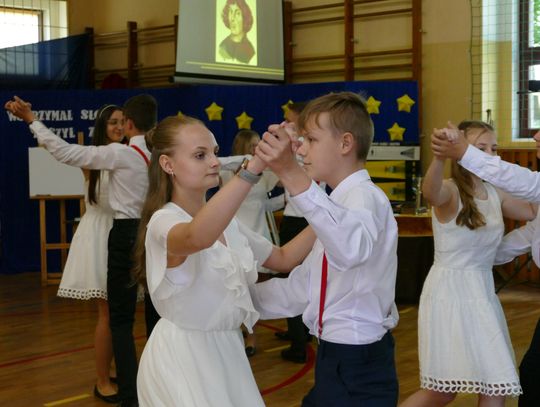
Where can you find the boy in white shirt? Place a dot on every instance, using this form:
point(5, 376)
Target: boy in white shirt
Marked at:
point(345, 286)
point(520, 241)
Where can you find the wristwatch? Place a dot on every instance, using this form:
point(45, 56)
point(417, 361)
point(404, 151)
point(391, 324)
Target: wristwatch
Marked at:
point(247, 175)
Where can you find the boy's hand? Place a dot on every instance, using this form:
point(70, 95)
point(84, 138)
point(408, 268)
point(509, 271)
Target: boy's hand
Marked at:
point(448, 143)
point(290, 128)
point(276, 150)
point(21, 109)
point(452, 132)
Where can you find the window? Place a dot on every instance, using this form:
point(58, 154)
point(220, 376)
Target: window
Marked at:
point(529, 61)
point(505, 63)
point(529, 67)
point(19, 27)
point(24, 23)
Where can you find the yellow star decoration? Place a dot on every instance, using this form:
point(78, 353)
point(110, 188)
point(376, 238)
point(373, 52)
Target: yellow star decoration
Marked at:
point(405, 103)
point(214, 111)
point(372, 105)
point(396, 132)
point(285, 108)
point(244, 121)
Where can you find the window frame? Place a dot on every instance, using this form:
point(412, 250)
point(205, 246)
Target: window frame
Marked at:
point(528, 56)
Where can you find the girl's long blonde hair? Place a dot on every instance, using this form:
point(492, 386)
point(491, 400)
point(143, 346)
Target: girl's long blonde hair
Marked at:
point(469, 215)
point(163, 139)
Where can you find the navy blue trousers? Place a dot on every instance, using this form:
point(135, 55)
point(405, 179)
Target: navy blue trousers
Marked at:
point(122, 297)
point(355, 375)
point(529, 372)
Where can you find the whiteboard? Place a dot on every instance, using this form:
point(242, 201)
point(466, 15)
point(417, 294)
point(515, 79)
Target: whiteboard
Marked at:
point(49, 177)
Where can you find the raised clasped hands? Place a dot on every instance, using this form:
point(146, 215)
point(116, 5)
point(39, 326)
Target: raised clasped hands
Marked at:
point(20, 109)
point(278, 147)
point(448, 142)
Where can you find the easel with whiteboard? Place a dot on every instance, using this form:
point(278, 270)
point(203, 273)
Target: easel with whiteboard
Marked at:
point(53, 181)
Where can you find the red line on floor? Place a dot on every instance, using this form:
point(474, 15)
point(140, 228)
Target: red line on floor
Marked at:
point(271, 327)
point(306, 368)
point(51, 355)
point(303, 371)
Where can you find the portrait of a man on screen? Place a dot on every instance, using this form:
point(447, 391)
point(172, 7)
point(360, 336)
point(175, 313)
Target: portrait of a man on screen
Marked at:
point(236, 31)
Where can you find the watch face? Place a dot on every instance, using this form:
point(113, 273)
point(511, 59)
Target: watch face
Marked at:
point(243, 165)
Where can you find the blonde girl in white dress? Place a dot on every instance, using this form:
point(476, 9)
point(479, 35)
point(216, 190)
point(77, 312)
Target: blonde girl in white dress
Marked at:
point(198, 262)
point(463, 339)
point(85, 274)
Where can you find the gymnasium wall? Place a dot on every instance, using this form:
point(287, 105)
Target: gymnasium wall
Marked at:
point(445, 58)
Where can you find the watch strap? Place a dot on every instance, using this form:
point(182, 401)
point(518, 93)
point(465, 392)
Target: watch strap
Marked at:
point(248, 176)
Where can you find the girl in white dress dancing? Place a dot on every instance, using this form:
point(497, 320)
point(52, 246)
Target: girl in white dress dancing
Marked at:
point(464, 345)
point(198, 262)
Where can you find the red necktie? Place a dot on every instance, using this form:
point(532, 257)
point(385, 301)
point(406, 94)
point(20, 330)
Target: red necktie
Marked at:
point(324, 278)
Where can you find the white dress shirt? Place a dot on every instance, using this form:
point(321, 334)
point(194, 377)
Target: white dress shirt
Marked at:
point(520, 241)
point(128, 177)
point(356, 229)
point(290, 209)
point(512, 178)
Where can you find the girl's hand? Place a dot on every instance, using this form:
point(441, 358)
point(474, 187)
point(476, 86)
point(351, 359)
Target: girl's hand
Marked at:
point(21, 109)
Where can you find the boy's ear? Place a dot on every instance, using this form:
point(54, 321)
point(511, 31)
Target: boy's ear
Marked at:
point(347, 142)
point(129, 124)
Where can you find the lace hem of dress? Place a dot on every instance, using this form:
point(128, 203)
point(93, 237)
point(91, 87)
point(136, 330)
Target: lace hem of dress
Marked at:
point(82, 294)
point(468, 386)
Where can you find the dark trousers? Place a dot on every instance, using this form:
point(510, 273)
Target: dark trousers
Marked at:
point(290, 227)
point(529, 372)
point(355, 375)
point(122, 298)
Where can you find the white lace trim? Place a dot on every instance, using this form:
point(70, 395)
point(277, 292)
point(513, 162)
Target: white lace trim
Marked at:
point(82, 294)
point(467, 386)
point(93, 293)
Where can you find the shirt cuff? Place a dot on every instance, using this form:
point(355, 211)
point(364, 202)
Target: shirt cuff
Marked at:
point(472, 155)
point(308, 200)
point(36, 125)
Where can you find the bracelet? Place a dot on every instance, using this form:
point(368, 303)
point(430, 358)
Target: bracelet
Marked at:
point(247, 175)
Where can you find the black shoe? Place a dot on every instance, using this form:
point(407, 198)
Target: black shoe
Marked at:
point(250, 351)
point(293, 356)
point(283, 335)
point(113, 398)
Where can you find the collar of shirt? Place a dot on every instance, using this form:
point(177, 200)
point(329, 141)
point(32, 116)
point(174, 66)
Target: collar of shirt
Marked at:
point(345, 185)
point(137, 140)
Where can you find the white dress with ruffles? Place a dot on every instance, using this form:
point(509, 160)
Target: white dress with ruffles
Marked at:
point(464, 344)
point(85, 273)
point(195, 355)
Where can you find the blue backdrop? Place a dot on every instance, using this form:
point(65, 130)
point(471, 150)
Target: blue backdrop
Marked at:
point(71, 111)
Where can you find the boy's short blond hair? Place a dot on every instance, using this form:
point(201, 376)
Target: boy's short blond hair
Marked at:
point(347, 112)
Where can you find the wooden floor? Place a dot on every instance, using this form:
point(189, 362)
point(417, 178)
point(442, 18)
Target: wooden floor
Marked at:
point(46, 354)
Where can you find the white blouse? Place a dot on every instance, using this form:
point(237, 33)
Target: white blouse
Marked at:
point(209, 290)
